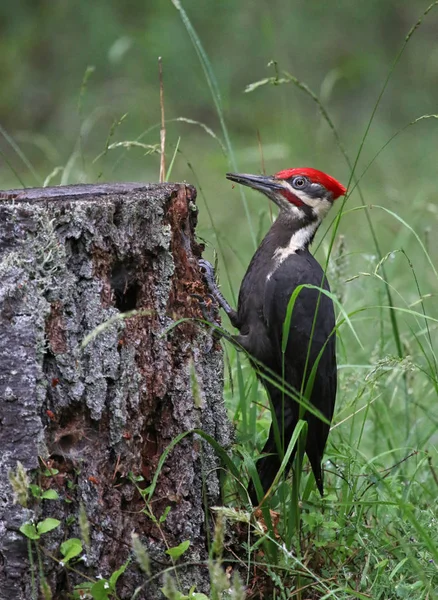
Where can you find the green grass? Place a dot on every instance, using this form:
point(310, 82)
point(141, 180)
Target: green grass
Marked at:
point(375, 532)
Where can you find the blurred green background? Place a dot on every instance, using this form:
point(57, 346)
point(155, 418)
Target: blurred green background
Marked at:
point(343, 50)
point(57, 121)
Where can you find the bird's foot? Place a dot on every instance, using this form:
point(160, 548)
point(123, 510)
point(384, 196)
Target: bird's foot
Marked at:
point(207, 271)
point(208, 275)
point(208, 308)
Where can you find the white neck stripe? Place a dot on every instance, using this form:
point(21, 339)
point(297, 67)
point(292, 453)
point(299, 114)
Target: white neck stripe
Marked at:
point(299, 240)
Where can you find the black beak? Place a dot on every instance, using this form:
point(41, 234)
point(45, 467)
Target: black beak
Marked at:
point(262, 183)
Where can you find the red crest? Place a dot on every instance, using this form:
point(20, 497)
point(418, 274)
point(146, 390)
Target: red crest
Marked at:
point(330, 183)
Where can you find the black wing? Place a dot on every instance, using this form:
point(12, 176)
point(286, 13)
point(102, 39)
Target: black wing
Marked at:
point(298, 269)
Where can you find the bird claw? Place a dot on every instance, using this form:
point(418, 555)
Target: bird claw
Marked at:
point(208, 307)
point(207, 271)
point(208, 275)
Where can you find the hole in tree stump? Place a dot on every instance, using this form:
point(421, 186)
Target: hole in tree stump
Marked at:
point(124, 286)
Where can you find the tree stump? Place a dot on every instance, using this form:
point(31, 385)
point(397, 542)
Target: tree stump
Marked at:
point(86, 420)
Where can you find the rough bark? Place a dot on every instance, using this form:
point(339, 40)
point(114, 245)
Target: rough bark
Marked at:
point(74, 258)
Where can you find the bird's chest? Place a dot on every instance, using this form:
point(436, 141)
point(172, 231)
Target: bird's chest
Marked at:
point(267, 277)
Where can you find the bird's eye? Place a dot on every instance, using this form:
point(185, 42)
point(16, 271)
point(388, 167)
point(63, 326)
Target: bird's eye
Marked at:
point(298, 182)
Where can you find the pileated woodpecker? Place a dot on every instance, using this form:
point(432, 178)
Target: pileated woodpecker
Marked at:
point(281, 264)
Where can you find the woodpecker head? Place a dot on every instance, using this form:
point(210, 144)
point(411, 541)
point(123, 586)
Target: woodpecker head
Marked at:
point(305, 193)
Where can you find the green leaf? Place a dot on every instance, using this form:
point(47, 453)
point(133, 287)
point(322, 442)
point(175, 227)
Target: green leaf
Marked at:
point(30, 531)
point(82, 590)
point(50, 495)
point(35, 490)
point(174, 594)
point(71, 548)
point(179, 550)
point(101, 590)
point(115, 576)
point(50, 472)
point(313, 520)
point(164, 515)
point(135, 478)
point(47, 525)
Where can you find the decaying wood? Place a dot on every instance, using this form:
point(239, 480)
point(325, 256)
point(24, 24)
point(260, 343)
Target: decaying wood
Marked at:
point(72, 259)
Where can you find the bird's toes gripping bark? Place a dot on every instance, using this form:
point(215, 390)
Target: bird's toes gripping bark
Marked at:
point(208, 275)
point(207, 271)
point(208, 307)
point(212, 301)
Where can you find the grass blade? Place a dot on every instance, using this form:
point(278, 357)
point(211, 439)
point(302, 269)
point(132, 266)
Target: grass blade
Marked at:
point(214, 89)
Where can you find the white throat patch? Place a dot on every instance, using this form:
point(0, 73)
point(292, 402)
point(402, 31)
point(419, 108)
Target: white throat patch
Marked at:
point(298, 240)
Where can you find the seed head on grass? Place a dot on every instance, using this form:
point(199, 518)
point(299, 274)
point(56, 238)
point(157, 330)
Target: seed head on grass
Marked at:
point(237, 591)
point(169, 588)
point(46, 592)
point(218, 580)
point(141, 554)
point(219, 534)
point(84, 526)
point(20, 484)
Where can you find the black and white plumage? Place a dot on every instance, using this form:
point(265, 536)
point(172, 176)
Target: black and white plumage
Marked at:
point(281, 264)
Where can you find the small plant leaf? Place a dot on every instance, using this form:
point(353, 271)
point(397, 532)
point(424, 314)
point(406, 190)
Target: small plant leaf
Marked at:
point(30, 531)
point(164, 515)
point(101, 590)
point(50, 472)
point(71, 548)
point(174, 595)
point(50, 495)
point(179, 550)
point(47, 525)
point(35, 490)
point(83, 590)
point(115, 576)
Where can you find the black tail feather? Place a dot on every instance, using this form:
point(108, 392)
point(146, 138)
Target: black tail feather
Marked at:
point(268, 465)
